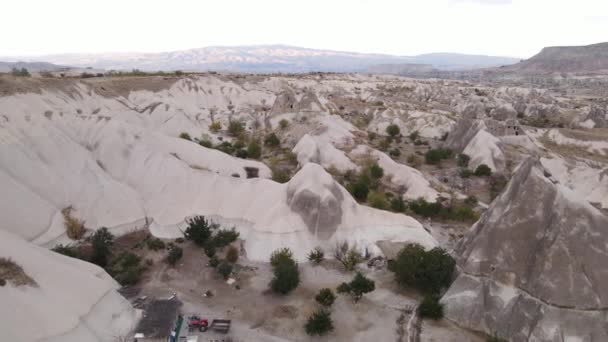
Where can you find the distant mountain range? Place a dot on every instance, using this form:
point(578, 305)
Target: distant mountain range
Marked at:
point(265, 59)
point(566, 59)
point(31, 66)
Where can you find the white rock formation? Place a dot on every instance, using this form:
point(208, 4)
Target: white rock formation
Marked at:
point(71, 301)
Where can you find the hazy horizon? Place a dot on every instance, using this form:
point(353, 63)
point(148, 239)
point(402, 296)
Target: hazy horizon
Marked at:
point(509, 28)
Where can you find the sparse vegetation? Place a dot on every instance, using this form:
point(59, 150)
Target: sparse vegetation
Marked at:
point(414, 161)
point(497, 184)
point(455, 211)
point(205, 143)
point(66, 250)
point(430, 307)
point(319, 323)
point(74, 227)
point(155, 244)
point(23, 72)
point(357, 287)
point(426, 271)
point(316, 256)
point(280, 175)
point(414, 136)
point(11, 272)
point(175, 254)
point(348, 255)
point(398, 205)
point(286, 273)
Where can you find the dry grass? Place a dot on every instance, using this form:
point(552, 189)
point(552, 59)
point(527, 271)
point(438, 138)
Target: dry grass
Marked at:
point(11, 272)
point(74, 227)
point(571, 150)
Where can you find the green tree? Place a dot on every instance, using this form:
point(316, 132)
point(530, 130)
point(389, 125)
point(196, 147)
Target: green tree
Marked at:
point(101, 241)
point(357, 287)
point(319, 323)
point(430, 307)
point(393, 130)
point(254, 150)
point(428, 272)
point(483, 170)
point(286, 273)
point(325, 297)
point(199, 230)
point(272, 140)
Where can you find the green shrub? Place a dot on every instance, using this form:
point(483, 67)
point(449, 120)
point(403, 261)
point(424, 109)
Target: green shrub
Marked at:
point(225, 147)
point(254, 150)
point(436, 155)
point(280, 175)
point(483, 170)
point(199, 230)
point(224, 237)
point(319, 323)
point(348, 255)
point(395, 153)
point(414, 136)
point(376, 171)
point(215, 126)
point(175, 254)
point(359, 189)
point(286, 274)
point(214, 262)
point(209, 249)
point(66, 250)
point(101, 241)
point(185, 136)
point(393, 130)
point(463, 160)
point(325, 297)
point(232, 254)
point(430, 307)
point(316, 256)
point(426, 271)
point(465, 173)
point(126, 268)
point(377, 200)
point(272, 140)
point(224, 269)
point(357, 287)
point(398, 205)
point(242, 153)
point(471, 201)
point(205, 143)
point(155, 244)
point(283, 123)
point(426, 209)
point(235, 128)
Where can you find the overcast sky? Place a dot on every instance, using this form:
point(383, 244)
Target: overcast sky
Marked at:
point(516, 28)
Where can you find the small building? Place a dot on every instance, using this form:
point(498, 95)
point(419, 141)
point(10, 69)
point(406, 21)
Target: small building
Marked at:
point(160, 321)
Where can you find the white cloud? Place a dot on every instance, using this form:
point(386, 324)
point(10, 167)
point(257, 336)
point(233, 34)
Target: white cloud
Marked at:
point(519, 28)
